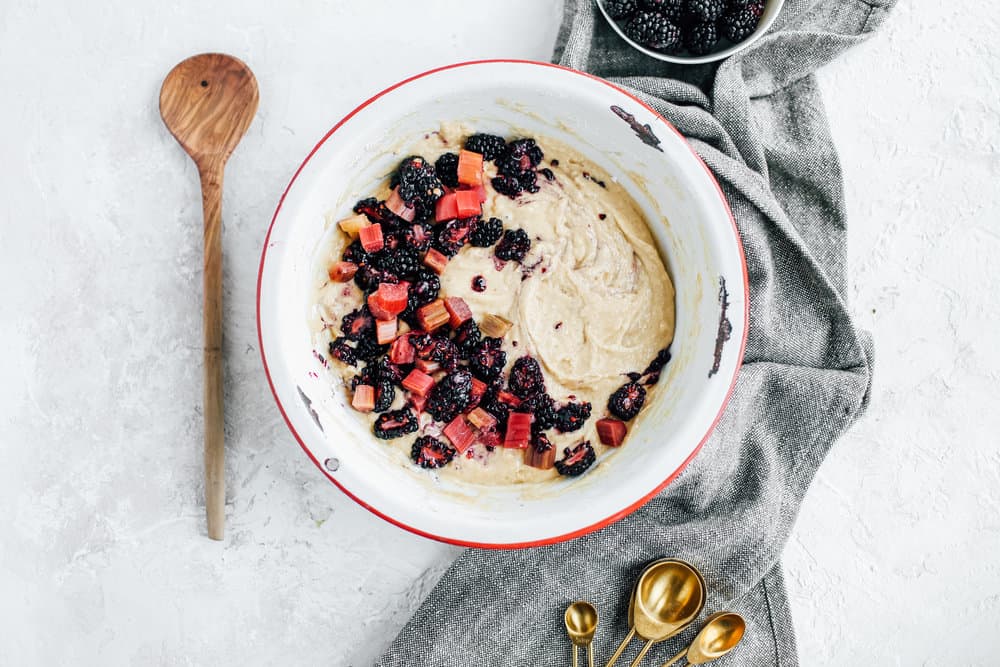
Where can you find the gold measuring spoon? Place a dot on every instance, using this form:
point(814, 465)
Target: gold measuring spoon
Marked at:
point(581, 623)
point(668, 597)
point(719, 636)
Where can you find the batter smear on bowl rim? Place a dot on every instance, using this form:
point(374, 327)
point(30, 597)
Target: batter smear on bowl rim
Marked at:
point(498, 310)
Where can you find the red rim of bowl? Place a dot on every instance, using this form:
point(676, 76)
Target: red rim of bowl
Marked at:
point(607, 520)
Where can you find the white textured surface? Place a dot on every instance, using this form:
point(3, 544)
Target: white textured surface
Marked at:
point(103, 558)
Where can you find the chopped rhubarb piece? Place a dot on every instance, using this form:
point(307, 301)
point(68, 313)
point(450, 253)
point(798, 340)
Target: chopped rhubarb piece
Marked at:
point(364, 398)
point(480, 192)
point(392, 297)
point(427, 366)
point(544, 460)
point(371, 238)
point(468, 203)
point(458, 310)
point(476, 393)
point(418, 382)
point(418, 402)
point(385, 331)
point(611, 431)
point(375, 305)
point(509, 398)
point(354, 224)
point(433, 315)
point(494, 326)
point(470, 168)
point(446, 208)
point(518, 430)
point(341, 272)
point(460, 434)
point(436, 261)
point(402, 351)
point(396, 204)
point(482, 419)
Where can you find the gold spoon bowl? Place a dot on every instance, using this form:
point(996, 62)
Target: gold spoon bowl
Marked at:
point(667, 598)
point(581, 623)
point(720, 635)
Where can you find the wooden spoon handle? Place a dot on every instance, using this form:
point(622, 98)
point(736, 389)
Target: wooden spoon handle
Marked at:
point(215, 481)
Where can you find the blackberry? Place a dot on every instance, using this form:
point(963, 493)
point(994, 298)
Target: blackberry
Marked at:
point(654, 31)
point(626, 402)
point(620, 9)
point(738, 25)
point(487, 361)
point(513, 246)
point(543, 408)
point(507, 185)
point(486, 232)
point(526, 377)
point(446, 168)
point(524, 152)
point(433, 348)
point(572, 416)
point(386, 371)
point(495, 407)
point(467, 337)
point(540, 442)
point(368, 376)
point(431, 453)
point(375, 373)
point(575, 461)
point(425, 287)
point(702, 38)
point(449, 396)
point(355, 253)
point(367, 348)
point(452, 235)
point(395, 424)
point(418, 185)
point(401, 262)
point(368, 277)
point(420, 235)
point(478, 284)
point(672, 9)
point(339, 349)
point(357, 323)
point(489, 145)
point(377, 211)
point(652, 372)
point(706, 10)
point(385, 394)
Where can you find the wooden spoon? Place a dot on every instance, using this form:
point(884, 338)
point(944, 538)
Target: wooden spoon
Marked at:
point(207, 103)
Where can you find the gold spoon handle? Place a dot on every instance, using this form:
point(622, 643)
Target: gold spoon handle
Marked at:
point(675, 658)
point(621, 647)
point(642, 653)
point(590, 655)
point(575, 664)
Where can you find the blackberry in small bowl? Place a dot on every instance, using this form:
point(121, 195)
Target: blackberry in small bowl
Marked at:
point(687, 31)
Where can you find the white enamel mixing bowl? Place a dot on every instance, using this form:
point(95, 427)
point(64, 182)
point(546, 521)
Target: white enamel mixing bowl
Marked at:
point(691, 223)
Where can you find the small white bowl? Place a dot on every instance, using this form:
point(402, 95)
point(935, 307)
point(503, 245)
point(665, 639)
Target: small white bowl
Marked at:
point(689, 219)
point(771, 10)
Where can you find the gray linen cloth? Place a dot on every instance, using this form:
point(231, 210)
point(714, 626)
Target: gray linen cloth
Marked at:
point(758, 122)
